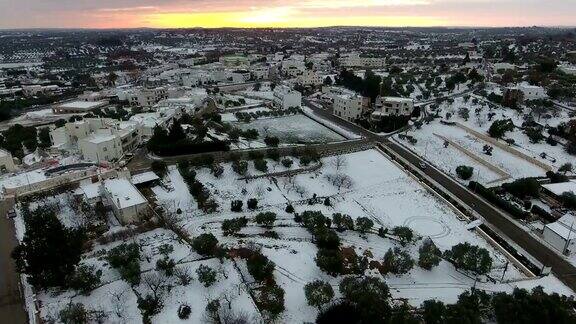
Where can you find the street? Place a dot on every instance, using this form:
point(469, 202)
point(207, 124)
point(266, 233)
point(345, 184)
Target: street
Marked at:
point(11, 303)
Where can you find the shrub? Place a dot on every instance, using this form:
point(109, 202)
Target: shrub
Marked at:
point(205, 244)
point(523, 188)
point(273, 154)
point(364, 293)
point(166, 265)
point(342, 222)
point(261, 165)
point(397, 261)
point(233, 226)
point(404, 233)
point(493, 198)
point(184, 311)
point(260, 267)
point(289, 209)
point(217, 170)
point(266, 219)
point(287, 162)
point(569, 199)
point(159, 167)
point(252, 203)
point(271, 300)
point(240, 167)
point(206, 275)
point(318, 293)
point(149, 306)
point(326, 239)
point(272, 141)
point(236, 206)
point(499, 128)
point(429, 255)
point(470, 257)
point(364, 224)
point(465, 172)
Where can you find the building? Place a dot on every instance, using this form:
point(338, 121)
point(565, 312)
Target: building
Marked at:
point(523, 92)
point(79, 107)
point(143, 97)
point(285, 97)
point(350, 107)
point(310, 78)
point(350, 60)
point(392, 106)
point(555, 190)
point(235, 61)
point(561, 234)
point(127, 202)
point(6, 162)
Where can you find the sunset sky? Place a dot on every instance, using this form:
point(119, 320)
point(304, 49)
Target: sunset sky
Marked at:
point(283, 13)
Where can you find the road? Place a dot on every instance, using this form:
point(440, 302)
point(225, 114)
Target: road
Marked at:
point(564, 270)
point(11, 303)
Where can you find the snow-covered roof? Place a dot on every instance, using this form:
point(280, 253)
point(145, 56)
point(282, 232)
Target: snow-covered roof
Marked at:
point(123, 193)
point(144, 177)
point(84, 104)
point(90, 190)
point(565, 227)
point(560, 188)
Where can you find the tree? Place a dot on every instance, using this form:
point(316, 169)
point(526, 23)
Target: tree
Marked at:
point(522, 188)
point(261, 165)
point(233, 226)
point(166, 265)
point(217, 170)
point(364, 293)
point(433, 312)
point(364, 224)
point(342, 312)
point(318, 293)
point(534, 134)
point(259, 266)
point(397, 261)
point(470, 257)
point(326, 239)
point(404, 233)
point(342, 222)
point(85, 279)
point(465, 172)
point(236, 206)
point(330, 261)
point(252, 203)
point(44, 137)
point(565, 168)
point(240, 167)
point(159, 167)
point(271, 300)
point(206, 275)
point(266, 219)
point(74, 314)
point(205, 244)
point(464, 113)
point(272, 141)
point(287, 162)
point(126, 259)
point(499, 128)
point(49, 252)
point(429, 255)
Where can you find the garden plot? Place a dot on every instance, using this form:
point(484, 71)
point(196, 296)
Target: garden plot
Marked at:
point(293, 129)
point(431, 147)
point(374, 188)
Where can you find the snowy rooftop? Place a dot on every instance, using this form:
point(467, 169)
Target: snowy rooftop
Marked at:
point(23, 179)
point(83, 104)
point(565, 227)
point(560, 188)
point(144, 177)
point(124, 194)
point(90, 190)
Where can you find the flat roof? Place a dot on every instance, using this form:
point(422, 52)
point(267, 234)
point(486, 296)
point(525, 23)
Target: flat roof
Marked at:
point(144, 177)
point(83, 104)
point(560, 188)
point(123, 193)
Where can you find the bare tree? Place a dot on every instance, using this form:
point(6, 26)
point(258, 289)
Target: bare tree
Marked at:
point(339, 162)
point(157, 284)
point(119, 298)
point(184, 275)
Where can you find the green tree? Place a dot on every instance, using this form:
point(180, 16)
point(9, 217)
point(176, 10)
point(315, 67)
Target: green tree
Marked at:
point(85, 279)
point(429, 255)
point(259, 266)
point(206, 275)
point(465, 172)
point(265, 219)
point(397, 261)
point(205, 244)
point(318, 293)
point(470, 257)
point(364, 224)
point(365, 292)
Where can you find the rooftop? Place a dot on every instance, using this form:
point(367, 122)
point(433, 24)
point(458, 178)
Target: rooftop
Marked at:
point(123, 193)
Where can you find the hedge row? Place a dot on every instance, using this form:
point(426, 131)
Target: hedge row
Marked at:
point(185, 147)
point(539, 211)
point(496, 200)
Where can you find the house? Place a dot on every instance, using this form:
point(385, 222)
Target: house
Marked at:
point(127, 202)
point(555, 190)
point(561, 234)
point(143, 97)
point(392, 106)
point(350, 107)
point(285, 97)
point(349, 60)
point(235, 61)
point(522, 92)
point(79, 107)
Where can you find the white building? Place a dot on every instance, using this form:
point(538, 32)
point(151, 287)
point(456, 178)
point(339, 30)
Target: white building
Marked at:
point(532, 92)
point(310, 78)
point(143, 97)
point(260, 72)
point(235, 61)
point(350, 107)
point(6, 162)
point(392, 106)
point(561, 234)
point(127, 202)
point(79, 107)
point(285, 97)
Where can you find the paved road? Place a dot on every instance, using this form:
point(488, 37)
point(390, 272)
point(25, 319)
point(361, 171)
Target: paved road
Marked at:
point(11, 303)
point(564, 270)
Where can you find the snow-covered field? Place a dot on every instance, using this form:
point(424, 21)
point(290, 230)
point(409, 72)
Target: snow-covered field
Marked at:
point(381, 192)
point(293, 129)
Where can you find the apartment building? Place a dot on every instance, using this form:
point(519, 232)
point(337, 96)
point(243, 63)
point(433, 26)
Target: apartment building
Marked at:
point(392, 106)
point(350, 107)
point(285, 97)
point(310, 78)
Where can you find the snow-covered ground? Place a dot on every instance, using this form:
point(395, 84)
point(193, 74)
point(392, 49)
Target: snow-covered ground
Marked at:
point(379, 191)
